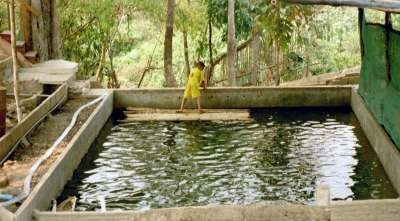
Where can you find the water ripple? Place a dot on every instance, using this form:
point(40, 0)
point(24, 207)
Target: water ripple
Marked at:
point(279, 157)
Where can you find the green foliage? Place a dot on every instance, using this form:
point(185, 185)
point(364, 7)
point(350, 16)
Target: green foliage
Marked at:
point(279, 21)
point(190, 16)
point(396, 21)
point(87, 26)
point(3, 16)
point(335, 41)
point(373, 16)
point(245, 13)
point(132, 30)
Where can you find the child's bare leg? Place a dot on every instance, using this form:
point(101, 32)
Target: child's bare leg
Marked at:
point(199, 105)
point(182, 104)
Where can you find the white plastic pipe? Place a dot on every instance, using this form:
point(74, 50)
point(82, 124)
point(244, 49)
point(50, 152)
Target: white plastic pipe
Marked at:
point(28, 179)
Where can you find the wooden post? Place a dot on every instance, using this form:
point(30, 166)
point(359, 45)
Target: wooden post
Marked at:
point(14, 58)
point(255, 57)
point(3, 111)
point(388, 28)
point(360, 27)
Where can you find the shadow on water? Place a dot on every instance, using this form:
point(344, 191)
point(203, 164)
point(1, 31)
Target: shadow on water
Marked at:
point(279, 156)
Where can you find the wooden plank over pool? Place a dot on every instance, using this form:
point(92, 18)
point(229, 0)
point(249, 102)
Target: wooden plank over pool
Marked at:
point(149, 114)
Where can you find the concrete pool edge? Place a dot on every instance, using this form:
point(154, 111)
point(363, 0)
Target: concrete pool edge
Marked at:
point(200, 213)
point(388, 154)
point(57, 176)
point(243, 97)
point(370, 210)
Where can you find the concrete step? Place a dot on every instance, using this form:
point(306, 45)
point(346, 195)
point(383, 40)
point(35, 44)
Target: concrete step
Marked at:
point(6, 35)
point(56, 67)
point(21, 47)
point(32, 56)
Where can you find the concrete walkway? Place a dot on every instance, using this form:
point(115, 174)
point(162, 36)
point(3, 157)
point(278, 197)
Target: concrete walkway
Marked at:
point(50, 72)
point(349, 76)
point(53, 72)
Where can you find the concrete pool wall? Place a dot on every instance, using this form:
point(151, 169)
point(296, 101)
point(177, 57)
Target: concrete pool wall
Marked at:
point(58, 175)
point(244, 97)
point(61, 171)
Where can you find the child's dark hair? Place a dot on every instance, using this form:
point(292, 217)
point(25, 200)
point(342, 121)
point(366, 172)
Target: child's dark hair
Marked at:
point(201, 64)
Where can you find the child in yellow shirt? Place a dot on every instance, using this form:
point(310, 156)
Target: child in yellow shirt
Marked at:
point(192, 90)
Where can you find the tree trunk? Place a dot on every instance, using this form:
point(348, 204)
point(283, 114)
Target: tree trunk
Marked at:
point(14, 58)
point(186, 53)
point(99, 75)
point(169, 31)
point(55, 52)
point(25, 24)
point(46, 37)
point(210, 52)
point(39, 38)
point(231, 43)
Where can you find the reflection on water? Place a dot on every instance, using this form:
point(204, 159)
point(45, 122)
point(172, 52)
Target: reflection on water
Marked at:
point(279, 157)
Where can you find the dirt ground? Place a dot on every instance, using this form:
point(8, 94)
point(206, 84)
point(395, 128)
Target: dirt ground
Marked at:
point(26, 108)
point(16, 168)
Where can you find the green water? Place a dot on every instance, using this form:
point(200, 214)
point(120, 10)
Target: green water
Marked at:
point(280, 156)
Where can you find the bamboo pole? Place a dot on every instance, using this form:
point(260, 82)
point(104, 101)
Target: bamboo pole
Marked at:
point(14, 58)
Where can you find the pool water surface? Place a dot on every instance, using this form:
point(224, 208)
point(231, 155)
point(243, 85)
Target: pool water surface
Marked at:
point(280, 156)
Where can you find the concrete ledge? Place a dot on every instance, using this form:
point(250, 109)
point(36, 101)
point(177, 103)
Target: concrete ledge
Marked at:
point(203, 213)
point(243, 97)
point(6, 215)
point(366, 210)
point(10, 139)
point(363, 210)
point(387, 152)
point(53, 182)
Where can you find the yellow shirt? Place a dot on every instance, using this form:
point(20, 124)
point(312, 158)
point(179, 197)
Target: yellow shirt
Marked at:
point(196, 76)
point(193, 86)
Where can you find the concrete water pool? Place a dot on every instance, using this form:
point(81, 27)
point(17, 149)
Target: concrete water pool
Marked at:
point(363, 179)
point(280, 156)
